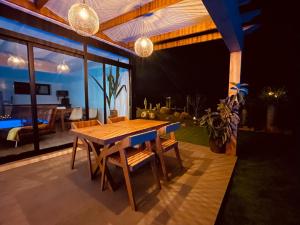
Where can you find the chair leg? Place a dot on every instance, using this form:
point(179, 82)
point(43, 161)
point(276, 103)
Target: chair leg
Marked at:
point(163, 165)
point(74, 152)
point(89, 162)
point(103, 174)
point(129, 187)
point(155, 172)
point(178, 156)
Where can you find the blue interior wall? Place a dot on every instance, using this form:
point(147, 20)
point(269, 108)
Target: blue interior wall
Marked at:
point(72, 82)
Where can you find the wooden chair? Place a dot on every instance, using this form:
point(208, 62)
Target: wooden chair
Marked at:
point(130, 158)
point(116, 119)
point(76, 114)
point(93, 113)
point(77, 143)
point(167, 144)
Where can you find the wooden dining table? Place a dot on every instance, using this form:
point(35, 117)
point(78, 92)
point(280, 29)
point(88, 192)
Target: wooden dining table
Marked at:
point(107, 136)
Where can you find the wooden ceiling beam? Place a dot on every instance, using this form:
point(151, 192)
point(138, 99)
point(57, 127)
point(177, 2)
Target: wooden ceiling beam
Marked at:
point(43, 11)
point(189, 41)
point(200, 38)
point(40, 3)
point(206, 25)
point(48, 13)
point(141, 11)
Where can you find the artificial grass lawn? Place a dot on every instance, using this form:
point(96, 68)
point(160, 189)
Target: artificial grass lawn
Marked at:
point(265, 187)
point(192, 134)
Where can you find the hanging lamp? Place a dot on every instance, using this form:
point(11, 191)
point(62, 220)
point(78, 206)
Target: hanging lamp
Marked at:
point(16, 61)
point(83, 19)
point(143, 46)
point(63, 68)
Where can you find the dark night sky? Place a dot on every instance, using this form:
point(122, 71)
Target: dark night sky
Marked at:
point(270, 58)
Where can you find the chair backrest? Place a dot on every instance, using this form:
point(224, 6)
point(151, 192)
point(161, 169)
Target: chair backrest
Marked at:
point(47, 114)
point(87, 123)
point(139, 138)
point(76, 114)
point(169, 128)
point(116, 119)
point(93, 113)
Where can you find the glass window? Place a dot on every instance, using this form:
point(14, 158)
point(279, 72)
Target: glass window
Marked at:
point(117, 90)
point(60, 95)
point(13, 25)
point(106, 54)
point(96, 91)
point(16, 130)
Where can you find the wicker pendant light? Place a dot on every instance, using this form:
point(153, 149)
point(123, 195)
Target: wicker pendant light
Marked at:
point(83, 19)
point(143, 47)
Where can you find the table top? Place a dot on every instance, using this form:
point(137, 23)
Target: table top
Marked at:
point(111, 133)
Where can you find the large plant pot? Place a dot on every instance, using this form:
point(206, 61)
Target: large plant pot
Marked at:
point(271, 111)
point(113, 113)
point(231, 146)
point(215, 148)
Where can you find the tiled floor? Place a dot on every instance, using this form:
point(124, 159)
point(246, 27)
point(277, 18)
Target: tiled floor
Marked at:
point(46, 141)
point(48, 192)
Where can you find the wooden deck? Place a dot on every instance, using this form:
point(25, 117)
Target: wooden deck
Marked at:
point(45, 191)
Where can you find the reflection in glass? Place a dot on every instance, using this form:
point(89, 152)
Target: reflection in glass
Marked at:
point(106, 54)
point(16, 130)
point(66, 102)
point(38, 33)
point(95, 87)
point(117, 90)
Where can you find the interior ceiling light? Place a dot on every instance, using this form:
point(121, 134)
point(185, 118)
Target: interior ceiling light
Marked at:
point(63, 68)
point(83, 19)
point(16, 61)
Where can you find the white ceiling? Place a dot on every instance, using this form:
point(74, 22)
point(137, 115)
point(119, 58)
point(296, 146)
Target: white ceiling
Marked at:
point(173, 17)
point(106, 9)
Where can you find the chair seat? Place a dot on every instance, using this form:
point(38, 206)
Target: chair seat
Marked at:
point(168, 143)
point(135, 158)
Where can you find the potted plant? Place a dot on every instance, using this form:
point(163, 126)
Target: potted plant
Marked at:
point(272, 97)
point(222, 125)
point(114, 90)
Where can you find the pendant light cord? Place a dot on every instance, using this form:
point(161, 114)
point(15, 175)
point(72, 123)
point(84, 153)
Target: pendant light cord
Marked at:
point(143, 25)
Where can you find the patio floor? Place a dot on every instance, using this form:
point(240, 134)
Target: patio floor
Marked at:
point(47, 191)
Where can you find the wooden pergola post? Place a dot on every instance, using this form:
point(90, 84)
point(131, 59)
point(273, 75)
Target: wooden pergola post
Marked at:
point(234, 76)
point(234, 69)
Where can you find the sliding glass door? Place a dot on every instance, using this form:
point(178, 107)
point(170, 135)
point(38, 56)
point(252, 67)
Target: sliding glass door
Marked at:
point(117, 90)
point(96, 90)
point(60, 95)
point(16, 122)
point(43, 89)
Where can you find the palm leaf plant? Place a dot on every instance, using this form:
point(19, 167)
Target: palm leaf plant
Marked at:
point(114, 87)
point(223, 123)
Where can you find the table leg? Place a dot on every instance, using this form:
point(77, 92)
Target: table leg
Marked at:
point(102, 167)
point(62, 119)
